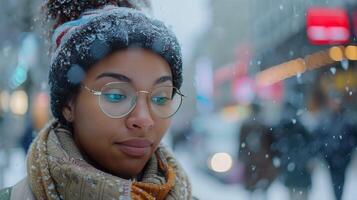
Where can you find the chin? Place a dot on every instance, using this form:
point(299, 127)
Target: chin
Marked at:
point(128, 174)
point(130, 168)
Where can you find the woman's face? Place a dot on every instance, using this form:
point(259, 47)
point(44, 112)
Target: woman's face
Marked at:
point(121, 146)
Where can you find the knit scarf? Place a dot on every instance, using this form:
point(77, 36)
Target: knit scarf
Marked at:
point(57, 170)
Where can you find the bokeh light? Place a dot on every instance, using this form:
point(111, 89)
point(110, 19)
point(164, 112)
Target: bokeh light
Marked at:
point(221, 162)
point(19, 102)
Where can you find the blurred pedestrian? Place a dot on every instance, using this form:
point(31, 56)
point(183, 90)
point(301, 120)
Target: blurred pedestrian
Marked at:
point(114, 85)
point(339, 140)
point(331, 119)
point(255, 153)
point(291, 142)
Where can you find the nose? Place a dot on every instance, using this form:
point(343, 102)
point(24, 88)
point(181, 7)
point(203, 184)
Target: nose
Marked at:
point(140, 118)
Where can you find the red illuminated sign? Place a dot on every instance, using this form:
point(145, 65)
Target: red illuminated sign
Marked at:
point(327, 26)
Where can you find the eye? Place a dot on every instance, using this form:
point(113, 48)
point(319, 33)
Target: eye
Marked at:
point(114, 97)
point(160, 100)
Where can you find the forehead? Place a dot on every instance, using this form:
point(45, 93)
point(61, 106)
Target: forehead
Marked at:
point(141, 66)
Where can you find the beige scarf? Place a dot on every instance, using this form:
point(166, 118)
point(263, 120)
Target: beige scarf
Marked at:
point(57, 170)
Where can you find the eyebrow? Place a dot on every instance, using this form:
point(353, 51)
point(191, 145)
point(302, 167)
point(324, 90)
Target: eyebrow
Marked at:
point(121, 77)
point(163, 79)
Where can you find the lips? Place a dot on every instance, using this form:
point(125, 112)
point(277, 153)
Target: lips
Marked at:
point(135, 147)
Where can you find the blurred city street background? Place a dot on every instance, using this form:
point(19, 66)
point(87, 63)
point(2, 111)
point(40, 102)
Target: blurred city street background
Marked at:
point(271, 85)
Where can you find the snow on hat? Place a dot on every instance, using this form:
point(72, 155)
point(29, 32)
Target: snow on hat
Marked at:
point(79, 43)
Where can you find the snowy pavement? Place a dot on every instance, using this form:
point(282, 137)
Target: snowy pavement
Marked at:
point(207, 188)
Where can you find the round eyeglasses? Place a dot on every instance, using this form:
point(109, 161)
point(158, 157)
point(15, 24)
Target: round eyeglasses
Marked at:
point(118, 99)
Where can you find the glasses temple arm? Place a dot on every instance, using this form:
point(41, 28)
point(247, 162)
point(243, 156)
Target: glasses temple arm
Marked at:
point(92, 91)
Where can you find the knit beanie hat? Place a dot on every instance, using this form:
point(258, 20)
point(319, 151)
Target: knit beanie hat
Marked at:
point(87, 31)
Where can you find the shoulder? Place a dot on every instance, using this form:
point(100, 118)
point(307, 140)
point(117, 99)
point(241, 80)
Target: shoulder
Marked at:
point(5, 193)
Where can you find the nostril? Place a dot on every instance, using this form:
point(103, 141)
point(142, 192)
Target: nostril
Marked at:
point(136, 126)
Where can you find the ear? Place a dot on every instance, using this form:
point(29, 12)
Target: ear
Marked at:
point(68, 112)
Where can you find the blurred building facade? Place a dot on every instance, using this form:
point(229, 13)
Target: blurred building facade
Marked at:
point(268, 33)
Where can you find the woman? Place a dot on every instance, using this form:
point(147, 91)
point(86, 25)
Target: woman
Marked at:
point(114, 84)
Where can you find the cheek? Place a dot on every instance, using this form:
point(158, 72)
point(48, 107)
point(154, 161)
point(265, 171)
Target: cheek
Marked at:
point(87, 111)
point(161, 128)
point(92, 127)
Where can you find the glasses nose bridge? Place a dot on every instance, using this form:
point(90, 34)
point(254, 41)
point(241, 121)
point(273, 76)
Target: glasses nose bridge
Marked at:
point(144, 92)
